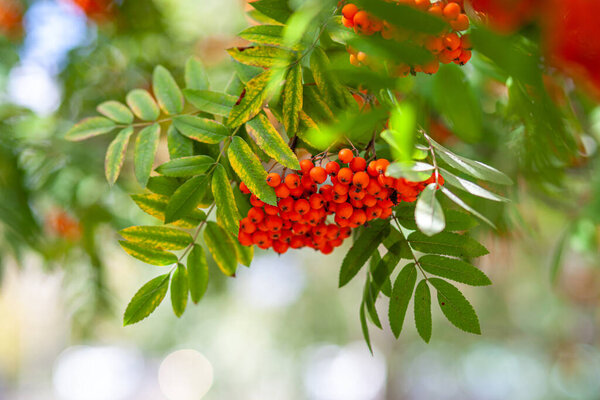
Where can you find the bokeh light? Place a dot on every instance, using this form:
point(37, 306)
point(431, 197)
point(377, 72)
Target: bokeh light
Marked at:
point(185, 375)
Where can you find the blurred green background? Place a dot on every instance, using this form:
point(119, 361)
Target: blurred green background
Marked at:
point(281, 329)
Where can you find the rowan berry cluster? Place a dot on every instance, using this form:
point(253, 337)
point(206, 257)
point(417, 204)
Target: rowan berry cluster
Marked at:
point(351, 191)
point(449, 46)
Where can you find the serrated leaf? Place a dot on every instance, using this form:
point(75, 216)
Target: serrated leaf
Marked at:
point(456, 307)
point(264, 34)
point(248, 167)
point(244, 254)
point(292, 99)
point(115, 155)
point(156, 204)
point(163, 185)
point(429, 215)
point(90, 127)
point(459, 221)
point(210, 102)
point(201, 129)
point(227, 212)
point(465, 206)
point(446, 243)
point(197, 273)
point(362, 249)
point(146, 145)
point(161, 237)
point(166, 90)
point(143, 105)
point(470, 187)
point(260, 56)
point(422, 309)
point(186, 166)
point(145, 301)
point(315, 105)
point(271, 142)
point(255, 94)
point(220, 245)
point(369, 297)
point(472, 168)
point(454, 269)
point(328, 84)
point(179, 290)
point(401, 295)
point(385, 267)
point(116, 111)
point(179, 145)
point(365, 327)
point(186, 198)
point(278, 10)
point(195, 75)
point(148, 254)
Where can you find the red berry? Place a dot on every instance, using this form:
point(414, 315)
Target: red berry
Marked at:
point(345, 155)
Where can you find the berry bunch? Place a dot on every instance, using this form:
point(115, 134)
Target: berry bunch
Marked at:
point(449, 46)
point(351, 191)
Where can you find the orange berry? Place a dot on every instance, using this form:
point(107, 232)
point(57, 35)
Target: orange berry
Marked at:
point(255, 201)
point(280, 247)
point(273, 179)
point(436, 10)
point(431, 67)
point(422, 4)
point(373, 188)
point(332, 232)
point(345, 175)
point(271, 210)
point(358, 164)
point(373, 212)
point(316, 201)
point(243, 188)
point(345, 155)
point(327, 248)
point(361, 179)
point(318, 174)
point(245, 239)
point(340, 189)
point(260, 238)
point(296, 193)
point(294, 216)
point(371, 169)
point(349, 11)
point(256, 215)
point(306, 166)
point(361, 20)
point(282, 191)
point(296, 242)
point(451, 41)
point(356, 203)
point(332, 168)
point(339, 198)
point(434, 44)
point(465, 42)
point(361, 57)
point(461, 23)
point(464, 57)
point(247, 226)
point(344, 210)
point(381, 165)
point(302, 206)
point(274, 223)
point(354, 60)
point(357, 195)
point(286, 204)
point(386, 181)
point(341, 221)
point(451, 11)
point(292, 181)
point(369, 200)
point(348, 23)
point(453, 55)
point(300, 228)
point(358, 218)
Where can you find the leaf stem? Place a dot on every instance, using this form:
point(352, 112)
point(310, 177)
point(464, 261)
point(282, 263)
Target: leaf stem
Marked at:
point(411, 249)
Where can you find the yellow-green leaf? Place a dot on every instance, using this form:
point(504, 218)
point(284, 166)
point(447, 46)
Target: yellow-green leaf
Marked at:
point(115, 155)
point(90, 127)
point(328, 84)
point(145, 301)
point(292, 99)
point(167, 91)
point(271, 142)
point(254, 95)
point(265, 34)
point(143, 105)
point(227, 211)
point(156, 204)
point(148, 254)
point(195, 75)
point(186, 198)
point(260, 56)
point(116, 111)
point(220, 245)
point(179, 290)
point(179, 145)
point(244, 254)
point(157, 236)
point(146, 145)
point(197, 273)
point(201, 129)
point(210, 102)
point(248, 167)
point(186, 166)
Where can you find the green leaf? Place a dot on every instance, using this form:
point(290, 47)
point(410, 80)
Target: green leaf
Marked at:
point(470, 187)
point(210, 102)
point(429, 215)
point(407, 17)
point(255, 94)
point(459, 221)
point(227, 212)
point(472, 168)
point(264, 34)
point(90, 127)
point(465, 206)
point(271, 142)
point(244, 254)
point(115, 155)
point(260, 56)
point(163, 185)
point(455, 99)
point(179, 145)
point(362, 249)
point(401, 135)
point(167, 91)
point(156, 204)
point(116, 111)
point(179, 290)
point(385, 267)
point(446, 243)
point(423, 310)
point(278, 10)
point(456, 307)
point(201, 129)
point(197, 273)
point(146, 145)
point(248, 167)
point(329, 86)
point(454, 269)
point(365, 327)
point(186, 166)
point(147, 254)
point(145, 301)
point(195, 75)
point(143, 105)
point(157, 236)
point(220, 245)
point(186, 198)
point(293, 99)
point(401, 295)
point(411, 171)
